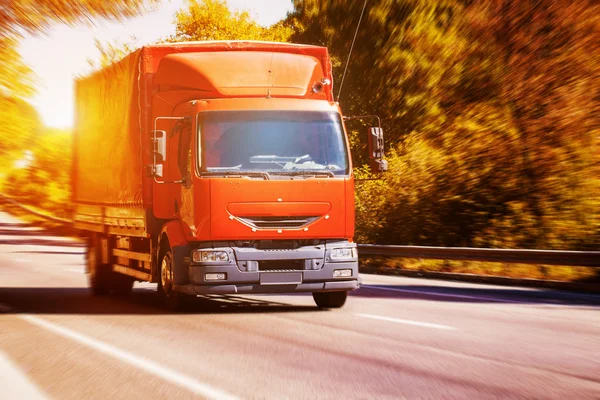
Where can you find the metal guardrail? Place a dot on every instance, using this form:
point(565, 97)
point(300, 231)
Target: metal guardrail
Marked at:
point(520, 256)
point(546, 257)
point(35, 212)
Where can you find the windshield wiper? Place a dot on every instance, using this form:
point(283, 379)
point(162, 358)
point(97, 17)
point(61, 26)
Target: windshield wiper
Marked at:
point(273, 159)
point(305, 173)
point(262, 174)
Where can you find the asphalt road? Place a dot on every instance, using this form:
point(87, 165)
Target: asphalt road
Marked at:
point(395, 338)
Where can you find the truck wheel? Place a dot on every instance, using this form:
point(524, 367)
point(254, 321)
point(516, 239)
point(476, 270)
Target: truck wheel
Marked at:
point(172, 299)
point(330, 299)
point(99, 274)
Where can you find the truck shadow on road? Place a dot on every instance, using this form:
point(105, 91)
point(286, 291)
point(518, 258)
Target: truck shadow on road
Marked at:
point(470, 294)
point(140, 302)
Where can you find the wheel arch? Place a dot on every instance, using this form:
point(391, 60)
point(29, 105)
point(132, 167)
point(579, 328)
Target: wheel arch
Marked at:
point(172, 237)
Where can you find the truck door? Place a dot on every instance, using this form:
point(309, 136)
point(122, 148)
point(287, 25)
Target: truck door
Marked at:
point(167, 189)
point(185, 199)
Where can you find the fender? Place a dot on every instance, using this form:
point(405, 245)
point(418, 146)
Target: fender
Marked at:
point(180, 248)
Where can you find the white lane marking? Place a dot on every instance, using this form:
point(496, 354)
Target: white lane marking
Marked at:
point(408, 322)
point(151, 367)
point(456, 296)
point(15, 384)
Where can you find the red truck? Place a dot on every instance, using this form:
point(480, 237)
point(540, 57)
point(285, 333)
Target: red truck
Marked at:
point(217, 168)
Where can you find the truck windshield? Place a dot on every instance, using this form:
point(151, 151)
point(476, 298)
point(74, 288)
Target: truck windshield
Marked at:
point(276, 142)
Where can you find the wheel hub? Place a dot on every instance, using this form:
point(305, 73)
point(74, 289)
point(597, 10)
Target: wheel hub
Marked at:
point(165, 276)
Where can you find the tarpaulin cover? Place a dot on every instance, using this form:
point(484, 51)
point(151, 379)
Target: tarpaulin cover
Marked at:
point(113, 120)
point(107, 165)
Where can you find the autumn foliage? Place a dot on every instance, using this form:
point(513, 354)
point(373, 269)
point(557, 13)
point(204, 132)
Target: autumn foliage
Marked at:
point(213, 20)
point(491, 111)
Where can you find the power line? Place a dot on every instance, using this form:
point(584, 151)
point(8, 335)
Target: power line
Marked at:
point(350, 53)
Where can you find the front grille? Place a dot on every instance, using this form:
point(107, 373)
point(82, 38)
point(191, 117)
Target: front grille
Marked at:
point(281, 265)
point(277, 245)
point(278, 222)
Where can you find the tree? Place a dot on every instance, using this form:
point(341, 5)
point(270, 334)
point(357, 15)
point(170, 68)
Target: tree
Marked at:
point(112, 52)
point(491, 116)
point(408, 58)
point(34, 16)
point(552, 74)
point(20, 124)
point(45, 183)
point(15, 77)
point(19, 120)
point(213, 20)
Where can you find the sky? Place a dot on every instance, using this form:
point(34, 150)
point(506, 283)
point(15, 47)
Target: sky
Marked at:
point(63, 53)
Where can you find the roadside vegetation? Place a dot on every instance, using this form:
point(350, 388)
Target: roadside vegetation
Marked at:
point(491, 112)
point(391, 266)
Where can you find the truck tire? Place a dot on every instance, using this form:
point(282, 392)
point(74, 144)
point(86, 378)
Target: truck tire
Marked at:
point(99, 274)
point(330, 299)
point(172, 299)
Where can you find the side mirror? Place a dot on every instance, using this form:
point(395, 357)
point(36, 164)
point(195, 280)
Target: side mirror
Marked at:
point(375, 144)
point(158, 170)
point(159, 150)
point(160, 145)
point(159, 153)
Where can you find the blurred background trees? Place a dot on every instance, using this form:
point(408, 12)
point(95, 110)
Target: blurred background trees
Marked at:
point(112, 52)
point(43, 180)
point(491, 109)
point(214, 20)
point(42, 177)
point(34, 16)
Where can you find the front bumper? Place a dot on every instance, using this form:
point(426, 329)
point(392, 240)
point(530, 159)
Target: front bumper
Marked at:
point(244, 276)
point(264, 289)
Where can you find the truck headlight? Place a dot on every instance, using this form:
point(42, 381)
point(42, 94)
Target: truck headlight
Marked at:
point(210, 256)
point(343, 253)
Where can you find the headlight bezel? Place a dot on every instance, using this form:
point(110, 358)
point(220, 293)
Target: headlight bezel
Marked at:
point(211, 256)
point(343, 254)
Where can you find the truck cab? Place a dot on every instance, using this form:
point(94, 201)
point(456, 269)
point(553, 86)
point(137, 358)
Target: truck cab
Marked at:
point(261, 181)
